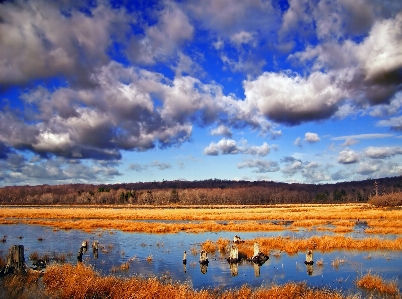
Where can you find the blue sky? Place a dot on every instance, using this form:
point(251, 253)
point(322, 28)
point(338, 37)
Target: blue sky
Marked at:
point(127, 91)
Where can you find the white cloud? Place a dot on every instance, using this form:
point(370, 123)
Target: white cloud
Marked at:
point(382, 152)
point(292, 99)
point(348, 156)
point(221, 130)
point(311, 137)
point(229, 146)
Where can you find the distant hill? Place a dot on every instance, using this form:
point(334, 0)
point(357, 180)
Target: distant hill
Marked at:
point(207, 192)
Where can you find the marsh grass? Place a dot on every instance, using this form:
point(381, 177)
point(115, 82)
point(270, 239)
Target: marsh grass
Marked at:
point(323, 243)
point(375, 282)
point(239, 219)
point(80, 282)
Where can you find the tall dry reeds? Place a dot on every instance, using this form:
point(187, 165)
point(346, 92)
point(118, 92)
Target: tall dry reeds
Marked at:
point(376, 283)
point(81, 281)
point(322, 243)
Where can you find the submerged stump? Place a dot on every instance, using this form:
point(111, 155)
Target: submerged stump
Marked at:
point(15, 262)
point(309, 258)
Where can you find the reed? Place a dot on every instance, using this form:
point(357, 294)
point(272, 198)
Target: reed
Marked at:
point(375, 282)
point(209, 246)
point(323, 243)
point(81, 281)
point(290, 212)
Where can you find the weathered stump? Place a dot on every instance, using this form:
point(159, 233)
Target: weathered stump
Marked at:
point(80, 253)
point(309, 258)
point(95, 248)
point(234, 254)
point(256, 249)
point(15, 262)
point(203, 258)
point(258, 257)
point(184, 257)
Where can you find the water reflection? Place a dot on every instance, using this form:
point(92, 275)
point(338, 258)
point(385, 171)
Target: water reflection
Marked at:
point(116, 248)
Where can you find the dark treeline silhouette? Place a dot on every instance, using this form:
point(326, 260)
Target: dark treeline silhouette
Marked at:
point(206, 192)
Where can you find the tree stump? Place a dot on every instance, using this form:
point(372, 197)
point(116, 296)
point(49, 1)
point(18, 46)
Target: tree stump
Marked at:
point(309, 258)
point(203, 258)
point(15, 261)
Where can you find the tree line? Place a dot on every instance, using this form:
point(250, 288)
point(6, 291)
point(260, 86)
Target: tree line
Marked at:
point(205, 192)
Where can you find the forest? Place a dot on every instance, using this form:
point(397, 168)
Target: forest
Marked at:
point(205, 192)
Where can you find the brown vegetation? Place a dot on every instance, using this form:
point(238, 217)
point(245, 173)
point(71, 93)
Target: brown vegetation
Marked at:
point(80, 281)
point(219, 218)
point(322, 243)
point(387, 200)
point(377, 283)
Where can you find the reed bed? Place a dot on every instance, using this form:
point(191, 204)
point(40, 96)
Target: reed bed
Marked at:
point(376, 283)
point(323, 243)
point(81, 281)
point(239, 219)
point(283, 212)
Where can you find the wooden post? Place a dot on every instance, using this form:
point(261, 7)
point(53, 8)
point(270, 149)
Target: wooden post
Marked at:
point(203, 257)
point(15, 260)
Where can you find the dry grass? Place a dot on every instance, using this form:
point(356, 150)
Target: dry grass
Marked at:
point(209, 246)
point(323, 243)
point(240, 219)
point(375, 282)
point(292, 212)
point(80, 281)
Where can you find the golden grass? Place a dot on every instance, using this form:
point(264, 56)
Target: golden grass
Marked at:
point(375, 282)
point(81, 281)
point(288, 212)
point(239, 219)
point(322, 243)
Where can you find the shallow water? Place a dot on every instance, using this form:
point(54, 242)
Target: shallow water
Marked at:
point(166, 252)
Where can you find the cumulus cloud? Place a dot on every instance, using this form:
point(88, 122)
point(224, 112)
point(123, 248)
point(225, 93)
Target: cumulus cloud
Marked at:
point(311, 137)
point(292, 99)
point(382, 152)
point(229, 146)
point(348, 156)
point(17, 170)
point(222, 130)
point(262, 166)
point(160, 41)
point(72, 45)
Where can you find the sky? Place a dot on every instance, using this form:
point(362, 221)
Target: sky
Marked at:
point(102, 92)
